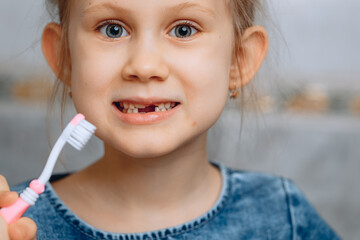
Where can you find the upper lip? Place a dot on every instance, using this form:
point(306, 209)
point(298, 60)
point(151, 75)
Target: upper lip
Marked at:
point(145, 101)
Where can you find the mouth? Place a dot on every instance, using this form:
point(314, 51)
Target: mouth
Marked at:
point(142, 108)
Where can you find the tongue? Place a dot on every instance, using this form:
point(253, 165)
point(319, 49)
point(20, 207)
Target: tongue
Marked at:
point(150, 108)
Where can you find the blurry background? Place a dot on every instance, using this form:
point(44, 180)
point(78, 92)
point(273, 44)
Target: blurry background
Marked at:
point(308, 92)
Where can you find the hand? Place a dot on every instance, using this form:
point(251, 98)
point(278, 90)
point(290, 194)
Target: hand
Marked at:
point(22, 229)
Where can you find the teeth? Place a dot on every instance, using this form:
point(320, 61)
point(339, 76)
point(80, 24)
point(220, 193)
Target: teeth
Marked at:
point(134, 108)
point(139, 106)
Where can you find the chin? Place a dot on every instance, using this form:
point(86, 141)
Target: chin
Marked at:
point(146, 148)
point(147, 152)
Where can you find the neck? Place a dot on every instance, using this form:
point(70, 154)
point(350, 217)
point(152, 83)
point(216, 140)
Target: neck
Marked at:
point(152, 181)
point(176, 187)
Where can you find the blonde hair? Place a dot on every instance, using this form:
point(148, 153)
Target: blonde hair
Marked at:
point(242, 11)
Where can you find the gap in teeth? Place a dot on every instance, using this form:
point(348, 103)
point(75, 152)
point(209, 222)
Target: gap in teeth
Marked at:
point(134, 108)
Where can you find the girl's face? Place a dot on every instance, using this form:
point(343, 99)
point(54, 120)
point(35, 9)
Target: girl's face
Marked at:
point(149, 52)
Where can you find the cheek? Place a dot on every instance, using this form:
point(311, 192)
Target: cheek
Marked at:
point(88, 71)
point(91, 79)
point(205, 78)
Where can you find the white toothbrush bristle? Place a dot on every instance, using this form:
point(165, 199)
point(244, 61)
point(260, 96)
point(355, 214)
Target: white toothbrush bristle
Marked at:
point(81, 134)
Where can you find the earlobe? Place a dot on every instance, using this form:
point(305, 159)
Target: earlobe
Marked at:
point(51, 47)
point(248, 59)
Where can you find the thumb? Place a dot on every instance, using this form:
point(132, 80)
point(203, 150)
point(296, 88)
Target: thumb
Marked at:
point(3, 229)
point(23, 229)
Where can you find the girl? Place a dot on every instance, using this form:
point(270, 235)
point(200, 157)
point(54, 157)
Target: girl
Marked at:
point(154, 76)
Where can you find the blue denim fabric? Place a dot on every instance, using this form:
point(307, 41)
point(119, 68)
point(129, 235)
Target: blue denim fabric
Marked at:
point(250, 206)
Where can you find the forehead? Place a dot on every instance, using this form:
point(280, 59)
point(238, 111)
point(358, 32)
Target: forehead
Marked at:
point(213, 8)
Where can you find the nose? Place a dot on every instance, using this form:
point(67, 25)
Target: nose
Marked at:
point(145, 62)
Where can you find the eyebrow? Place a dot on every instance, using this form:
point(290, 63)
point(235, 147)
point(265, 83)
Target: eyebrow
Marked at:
point(186, 5)
point(176, 8)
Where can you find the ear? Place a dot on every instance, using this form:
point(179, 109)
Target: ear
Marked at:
point(247, 59)
point(51, 47)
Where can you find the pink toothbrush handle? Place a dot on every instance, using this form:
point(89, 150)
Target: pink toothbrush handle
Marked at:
point(19, 207)
point(14, 211)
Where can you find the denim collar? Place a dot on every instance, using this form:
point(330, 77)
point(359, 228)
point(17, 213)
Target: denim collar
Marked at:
point(92, 232)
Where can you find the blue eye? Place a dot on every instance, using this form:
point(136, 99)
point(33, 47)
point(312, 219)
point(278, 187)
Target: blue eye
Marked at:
point(183, 30)
point(113, 30)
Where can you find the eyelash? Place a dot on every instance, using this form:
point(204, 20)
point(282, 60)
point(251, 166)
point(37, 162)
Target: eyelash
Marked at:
point(108, 22)
point(187, 23)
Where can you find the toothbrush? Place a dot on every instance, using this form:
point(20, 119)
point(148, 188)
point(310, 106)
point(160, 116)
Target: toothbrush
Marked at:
point(77, 133)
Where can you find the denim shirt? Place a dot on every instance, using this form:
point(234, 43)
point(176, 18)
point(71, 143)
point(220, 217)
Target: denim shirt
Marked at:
point(250, 206)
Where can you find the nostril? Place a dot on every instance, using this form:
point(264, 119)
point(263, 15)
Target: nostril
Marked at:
point(133, 77)
point(144, 79)
point(145, 69)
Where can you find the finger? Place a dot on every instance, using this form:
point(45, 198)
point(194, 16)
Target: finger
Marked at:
point(3, 229)
point(7, 198)
point(4, 186)
point(23, 229)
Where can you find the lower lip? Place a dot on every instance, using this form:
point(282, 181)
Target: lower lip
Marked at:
point(145, 118)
